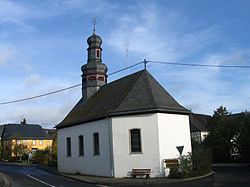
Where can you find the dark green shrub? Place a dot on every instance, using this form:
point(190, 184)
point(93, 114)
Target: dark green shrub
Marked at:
point(41, 157)
point(186, 165)
point(175, 173)
point(195, 164)
point(202, 161)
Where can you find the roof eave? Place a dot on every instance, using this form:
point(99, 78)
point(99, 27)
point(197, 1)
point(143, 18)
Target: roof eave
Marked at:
point(125, 113)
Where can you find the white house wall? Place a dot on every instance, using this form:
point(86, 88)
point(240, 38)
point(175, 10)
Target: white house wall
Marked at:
point(124, 160)
point(87, 164)
point(173, 130)
point(204, 134)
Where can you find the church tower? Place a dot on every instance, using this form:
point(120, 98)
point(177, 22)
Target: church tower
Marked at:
point(94, 73)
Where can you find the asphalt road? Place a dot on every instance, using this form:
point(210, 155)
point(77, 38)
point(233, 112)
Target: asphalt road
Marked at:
point(232, 175)
point(20, 176)
point(225, 176)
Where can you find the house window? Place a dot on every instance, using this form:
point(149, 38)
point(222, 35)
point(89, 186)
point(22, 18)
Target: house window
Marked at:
point(96, 144)
point(34, 142)
point(24, 142)
point(81, 145)
point(48, 143)
point(68, 144)
point(41, 142)
point(135, 140)
point(18, 142)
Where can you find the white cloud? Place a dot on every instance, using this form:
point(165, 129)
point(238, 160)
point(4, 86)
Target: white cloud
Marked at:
point(19, 12)
point(48, 110)
point(204, 89)
point(152, 38)
point(88, 6)
point(41, 114)
point(32, 79)
point(6, 54)
point(174, 39)
point(10, 11)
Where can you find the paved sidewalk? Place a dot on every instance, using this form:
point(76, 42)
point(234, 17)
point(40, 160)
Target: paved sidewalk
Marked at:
point(111, 181)
point(121, 181)
point(130, 181)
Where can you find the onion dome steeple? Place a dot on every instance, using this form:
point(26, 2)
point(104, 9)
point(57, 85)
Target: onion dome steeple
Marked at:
point(94, 73)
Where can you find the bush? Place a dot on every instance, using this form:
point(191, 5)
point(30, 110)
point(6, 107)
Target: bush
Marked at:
point(185, 168)
point(20, 152)
point(195, 164)
point(186, 165)
point(52, 163)
point(41, 157)
point(202, 161)
point(175, 173)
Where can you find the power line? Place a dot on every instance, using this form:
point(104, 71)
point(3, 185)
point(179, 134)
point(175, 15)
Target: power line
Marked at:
point(37, 96)
point(60, 90)
point(125, 68)
point(199, 65)
point(118, 71)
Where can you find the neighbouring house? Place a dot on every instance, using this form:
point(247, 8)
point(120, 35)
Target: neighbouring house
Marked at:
point(31, 136)
point(199, 126)
point(132, 122)
point(50, 133)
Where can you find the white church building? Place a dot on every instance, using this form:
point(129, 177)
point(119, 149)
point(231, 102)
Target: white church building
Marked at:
point(129, 123)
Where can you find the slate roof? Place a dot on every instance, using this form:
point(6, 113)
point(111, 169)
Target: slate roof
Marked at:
point(50, 133)
point(23, 131)
point(199, 122)
point(137, 93)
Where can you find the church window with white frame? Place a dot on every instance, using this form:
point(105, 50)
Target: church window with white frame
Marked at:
point(135, 141)
point(68, 147)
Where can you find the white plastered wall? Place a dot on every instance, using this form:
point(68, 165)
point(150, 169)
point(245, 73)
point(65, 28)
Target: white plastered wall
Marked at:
point(124, 160)
point(173, 131)
point(87, 164)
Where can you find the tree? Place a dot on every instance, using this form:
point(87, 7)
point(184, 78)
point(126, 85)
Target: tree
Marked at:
point(54, 147)
point(1, 150)
point(20, 151)
point(220, 136)
point(243, 139)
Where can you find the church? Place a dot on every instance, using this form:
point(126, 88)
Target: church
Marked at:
point(132, 122)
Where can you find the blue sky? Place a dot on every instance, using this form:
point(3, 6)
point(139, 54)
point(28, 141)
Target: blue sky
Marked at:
point(43, 46)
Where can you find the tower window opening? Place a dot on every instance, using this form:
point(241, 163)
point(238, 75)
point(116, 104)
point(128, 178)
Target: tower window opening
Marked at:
point(101, 78)
point(98, 53)
point(91, 78)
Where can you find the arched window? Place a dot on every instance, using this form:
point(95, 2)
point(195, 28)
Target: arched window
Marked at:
point(81, 145)
point(98, 53)
point(135, 140)
point(68, 147)
point(96, 147)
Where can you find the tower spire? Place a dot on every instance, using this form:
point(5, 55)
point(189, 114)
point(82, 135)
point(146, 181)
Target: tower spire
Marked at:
point(94, 25)
point(94, 72)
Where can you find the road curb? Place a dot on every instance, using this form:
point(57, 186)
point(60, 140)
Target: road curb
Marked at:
point(117, 182)
point(160, 181)
point(6, 181)
point(196, 178)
